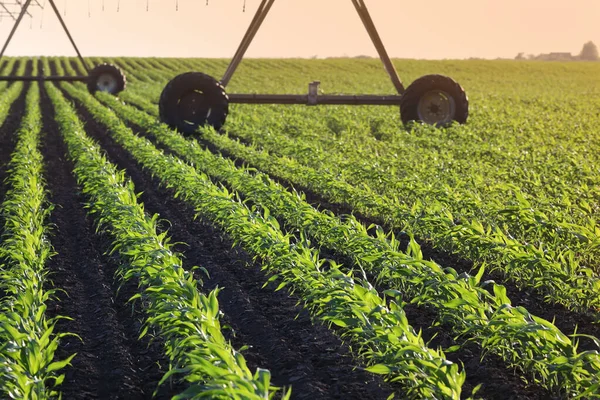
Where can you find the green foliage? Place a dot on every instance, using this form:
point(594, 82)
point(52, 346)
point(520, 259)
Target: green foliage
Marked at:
point(187, 321)
point(459, 299)
point(377, 326)
point(516, 191)
point(28, 369)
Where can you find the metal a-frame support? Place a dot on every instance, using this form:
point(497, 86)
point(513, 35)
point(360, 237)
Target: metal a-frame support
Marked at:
point(313, 98)
point(64, 26)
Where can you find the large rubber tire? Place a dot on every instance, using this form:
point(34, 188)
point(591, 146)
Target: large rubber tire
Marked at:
point(106, 78)
point(191, 100)
point(436, 100)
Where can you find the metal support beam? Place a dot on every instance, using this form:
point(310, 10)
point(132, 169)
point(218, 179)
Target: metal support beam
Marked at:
point(8, 12)
point(259, 17)
point(26, 11)
point(62, 22)
point(367, 100)
point(17, 22)
point(68, 34)
point(363, 12)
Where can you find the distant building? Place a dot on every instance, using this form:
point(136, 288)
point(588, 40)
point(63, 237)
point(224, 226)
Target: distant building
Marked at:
point(556, 56)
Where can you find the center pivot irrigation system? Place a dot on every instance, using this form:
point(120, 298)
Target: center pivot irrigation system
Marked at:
point(104, 77)
point(195, 99)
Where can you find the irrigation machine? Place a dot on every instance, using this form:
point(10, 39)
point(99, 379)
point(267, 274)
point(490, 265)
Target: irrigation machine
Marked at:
point(196, 99)
point(104, 77)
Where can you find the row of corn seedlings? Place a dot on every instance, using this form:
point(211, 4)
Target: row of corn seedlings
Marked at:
point(7, 68)
point(565, 226)
point(379, 330)
point(28, 368)
point(556, 273)
point(187, 321)
point(10, 94)
point(560, 279)
point(541, 181)
point(520, 338)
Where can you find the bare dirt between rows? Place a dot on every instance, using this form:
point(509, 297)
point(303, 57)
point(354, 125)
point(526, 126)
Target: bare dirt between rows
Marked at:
point(111, 363)
point(498, 381)
point(280, 334)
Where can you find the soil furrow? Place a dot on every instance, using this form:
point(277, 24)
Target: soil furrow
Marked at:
point(8, 132)
point(280, 334)
point(110, 362)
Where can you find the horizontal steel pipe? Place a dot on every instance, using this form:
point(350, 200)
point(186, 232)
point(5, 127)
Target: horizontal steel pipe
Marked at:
point(367, 100)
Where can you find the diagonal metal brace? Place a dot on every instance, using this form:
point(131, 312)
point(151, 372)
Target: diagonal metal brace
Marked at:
point(259, 17)
point(363, 12)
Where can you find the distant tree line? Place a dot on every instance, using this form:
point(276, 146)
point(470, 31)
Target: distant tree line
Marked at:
point(589, 52)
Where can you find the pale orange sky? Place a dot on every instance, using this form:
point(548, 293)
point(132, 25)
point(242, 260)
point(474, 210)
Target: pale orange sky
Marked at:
point(304, 28)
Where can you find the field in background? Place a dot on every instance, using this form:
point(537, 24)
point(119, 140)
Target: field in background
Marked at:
point(440, 262)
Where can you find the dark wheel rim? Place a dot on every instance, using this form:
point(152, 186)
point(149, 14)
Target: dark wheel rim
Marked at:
point(436, 107)
point(107, 83)
point(193, 108)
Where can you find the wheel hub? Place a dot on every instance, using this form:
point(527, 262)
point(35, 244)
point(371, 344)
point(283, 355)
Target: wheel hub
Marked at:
point(107, 83)
point(193, 108)
point(436, 107)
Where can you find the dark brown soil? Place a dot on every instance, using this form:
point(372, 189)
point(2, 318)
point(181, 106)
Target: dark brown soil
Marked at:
point(111, 363)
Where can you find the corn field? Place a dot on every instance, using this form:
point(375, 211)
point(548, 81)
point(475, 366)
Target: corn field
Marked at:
point(300, 253)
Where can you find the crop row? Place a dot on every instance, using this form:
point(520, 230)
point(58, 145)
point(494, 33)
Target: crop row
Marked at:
point(552, 269)
point(522, 339)
point(187, 322)
point(376, 325)
point(28, 368)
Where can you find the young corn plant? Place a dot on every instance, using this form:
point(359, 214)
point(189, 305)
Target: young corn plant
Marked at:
point(28, 369)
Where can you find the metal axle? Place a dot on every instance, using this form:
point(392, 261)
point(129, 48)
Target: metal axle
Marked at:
point(352, 100)
point(313, 98)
